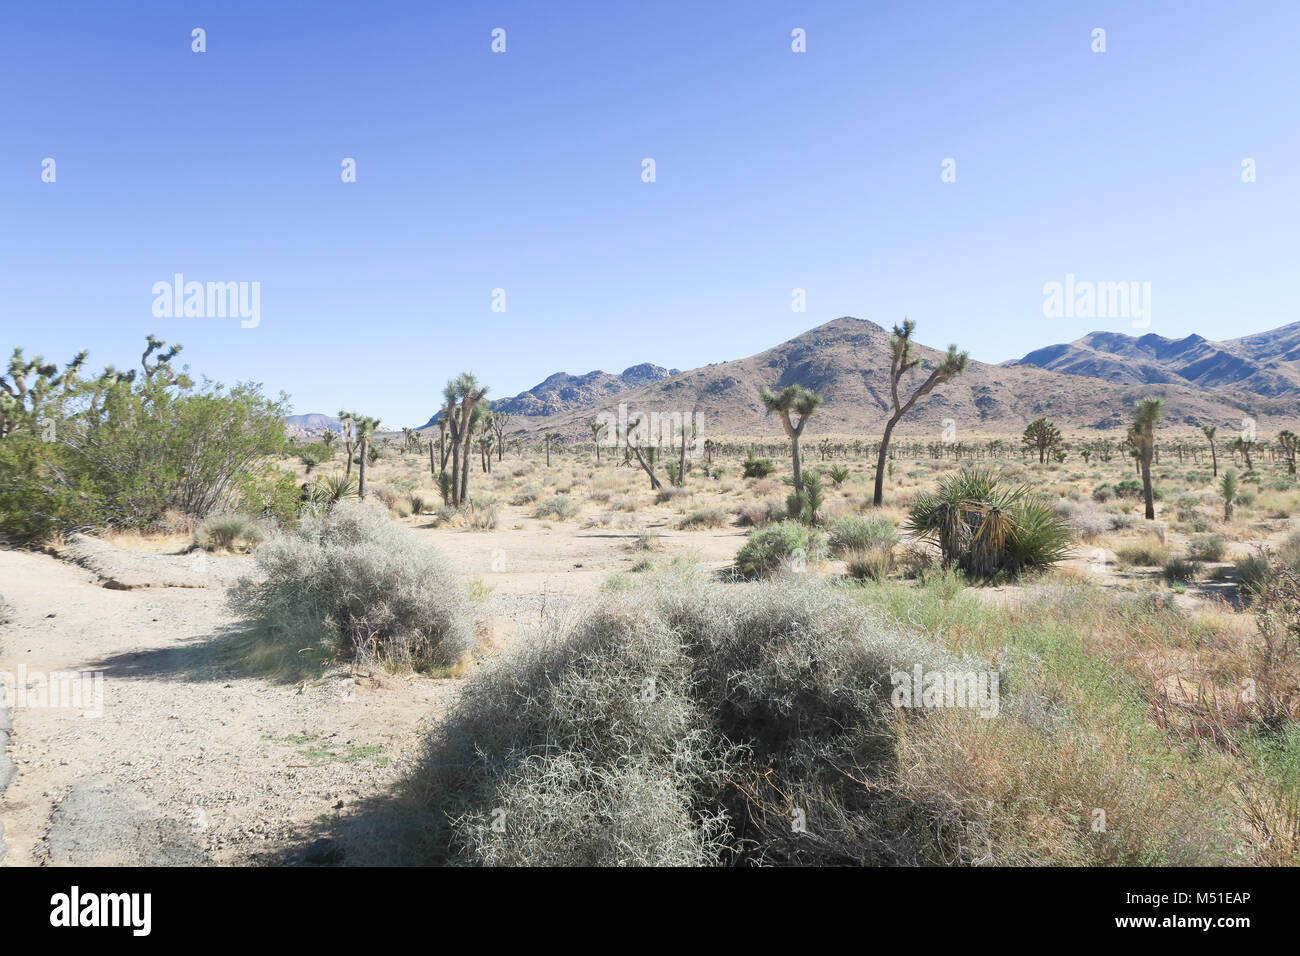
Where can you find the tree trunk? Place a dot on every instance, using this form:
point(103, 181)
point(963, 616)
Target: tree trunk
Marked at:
point(361, 472)
point(878, 498)
point(1214, 457)
point(1147, 493)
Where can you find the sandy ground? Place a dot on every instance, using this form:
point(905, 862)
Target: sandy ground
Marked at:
point(194, 759)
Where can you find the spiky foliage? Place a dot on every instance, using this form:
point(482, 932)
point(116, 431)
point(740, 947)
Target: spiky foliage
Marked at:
point(902, 361)
point(986, 527)
point(1228, 489)
point(805, 504)
point(790, 401)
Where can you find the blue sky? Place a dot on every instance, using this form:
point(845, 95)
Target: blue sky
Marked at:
point(522, 171)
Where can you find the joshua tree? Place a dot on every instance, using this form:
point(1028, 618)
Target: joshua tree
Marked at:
point(1288, 443)
point(648, 458)
point(1042, 436)
point(1146, 416)
point(597, 429)
point(1209, 431)
point(548, 439)
point(900, 363)
point(462, 420)
point(485, 452)
point(347, 428)
point(802, 402)
point(499, 422)
point(1244, 445)
point(365, 432)
point(1228, 487)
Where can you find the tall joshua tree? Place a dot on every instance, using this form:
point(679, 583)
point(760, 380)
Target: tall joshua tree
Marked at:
point(1209, 431)
point(1043, 437)
point(797, 400)
point(462, 398)
point(901, 361)
point(365, 430)
point(499, 422)
point(1146, 416)
point(597, 429)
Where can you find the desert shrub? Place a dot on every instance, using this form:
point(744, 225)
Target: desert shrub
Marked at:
point(705, 518)
point(1252, 572)
point(1179, 569)
point(418, 504)
point(756, 467)
point(838, 474)
point(560, 507)
point(314, 454)
point(769, 550)
point(1208, 547)
point(1086, 520)
point(483, 512)
point(805, 504)
point(860, 533)
point(329, 490)
point(1288, 553)
point(352, 581)
point(760, 514)
point(985, 527)
point(671, 493)
point(674, 725)
point(1103, 493)
point(872, 563)
point(226, 531)
point(269, 492)
point(1148, 551)
point(527, 494)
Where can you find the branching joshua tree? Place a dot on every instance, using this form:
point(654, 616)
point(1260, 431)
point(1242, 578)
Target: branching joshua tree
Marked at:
point(797, 400)
point(900, 363)
point(462, 399)
point(1209, 431)
point(499, 422)
point(1146, 416)
point(1043, 437)
point(1245, 446)
point(1288, 443)
point(647, 457)
point(23, 398)
point(598, 428)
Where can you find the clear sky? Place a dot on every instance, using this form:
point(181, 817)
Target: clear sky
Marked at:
point(522, 171)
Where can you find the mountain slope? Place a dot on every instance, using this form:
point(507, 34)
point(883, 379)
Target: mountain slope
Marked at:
point(563, 392)
point(1266, 363)
point(847, 361)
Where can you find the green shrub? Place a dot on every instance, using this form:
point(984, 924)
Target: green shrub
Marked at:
point(1252, 572)
point(860, 533)
point(1178, 569)
point(838, 474)
point(805, 505)
point(1103, 493)
point(1208, 547)
point(1147, 552)
point(757, 467)
point(768, 550)
point(224, 532)
point(705, 518)
point(352, 581)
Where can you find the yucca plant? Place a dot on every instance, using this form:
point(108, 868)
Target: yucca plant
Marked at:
point(984, 527)
point(329, 490)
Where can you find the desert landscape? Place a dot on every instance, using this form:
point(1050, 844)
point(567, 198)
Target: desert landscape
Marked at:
point(536, 631)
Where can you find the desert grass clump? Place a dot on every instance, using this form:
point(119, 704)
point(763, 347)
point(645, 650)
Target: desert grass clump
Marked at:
point(353, 582)
point(227, 532)
point(1252, 572)
point(1179, 570)
point(786, 545)
point(1207, 547)
point(483, 512)
point(560, 507)
point(1087, 521)
point(860, 533)
point(760, 514)
point(985, 527)
point(705, 518)
point(680, 723)
point(527, 494)
point(1149, 551)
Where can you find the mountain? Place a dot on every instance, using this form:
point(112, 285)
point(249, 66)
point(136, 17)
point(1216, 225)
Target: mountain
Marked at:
point(1267, 363)
point(306, 426)
point(563, 392)
point(847, 361)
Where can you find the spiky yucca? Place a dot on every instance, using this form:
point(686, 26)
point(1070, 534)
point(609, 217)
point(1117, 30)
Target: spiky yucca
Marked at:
point(985, 527)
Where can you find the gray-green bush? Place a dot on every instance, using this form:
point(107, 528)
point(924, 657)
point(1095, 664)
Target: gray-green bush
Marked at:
point(354, 582)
